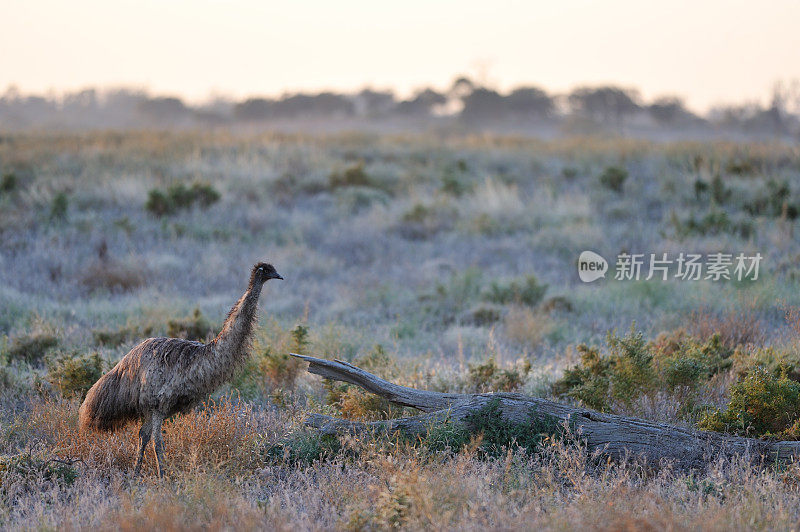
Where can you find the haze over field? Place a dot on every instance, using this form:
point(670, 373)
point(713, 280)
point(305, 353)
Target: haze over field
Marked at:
point(708, 53)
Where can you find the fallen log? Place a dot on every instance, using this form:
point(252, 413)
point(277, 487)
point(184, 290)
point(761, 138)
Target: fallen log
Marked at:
point(606, 434)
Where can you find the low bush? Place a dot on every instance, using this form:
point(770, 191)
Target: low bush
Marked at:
point(426, 220)
point(8, 183)
point(32, 348)
point(352, 176)
point(455, 183)
point(773, 201)
point(527, 291)
point(74, 374)
point(483, 315)
point(114, 338)
point(194, 327)
point(304, 449)
point(494, 433)
point(28, 472)
point(281, 369)
point(447, 299)
point(613, 178)
point(180, 197)
point(634, 367)
point(761, 404)
point(713, 222)
point(59, 207)
point(489, 377)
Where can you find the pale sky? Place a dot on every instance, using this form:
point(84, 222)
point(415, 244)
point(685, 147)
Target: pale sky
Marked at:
point(708, 51)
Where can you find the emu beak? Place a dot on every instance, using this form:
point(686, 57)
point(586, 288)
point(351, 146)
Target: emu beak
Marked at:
point(277, 276)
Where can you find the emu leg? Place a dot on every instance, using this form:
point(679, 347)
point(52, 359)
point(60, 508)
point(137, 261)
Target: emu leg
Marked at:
point(158, 443)
point(144, 439)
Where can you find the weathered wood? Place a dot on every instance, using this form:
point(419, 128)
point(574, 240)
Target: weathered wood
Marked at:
point(607, 434)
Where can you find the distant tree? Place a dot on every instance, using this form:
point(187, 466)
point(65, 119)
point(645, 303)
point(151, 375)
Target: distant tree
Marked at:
point(530, 102)
point(82, 100)
point(422, 104)
point(371, 103)
point(163, 109)
point(253, 109)
point(750, 118)
point(484, 104)
point(308, 105)
point(607, 104)
point(461, 88)
point(667, 110)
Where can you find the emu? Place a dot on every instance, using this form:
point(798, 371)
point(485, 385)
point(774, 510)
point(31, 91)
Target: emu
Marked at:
point(164, 376)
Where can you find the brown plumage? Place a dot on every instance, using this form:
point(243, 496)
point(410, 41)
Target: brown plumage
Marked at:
point(163, 376)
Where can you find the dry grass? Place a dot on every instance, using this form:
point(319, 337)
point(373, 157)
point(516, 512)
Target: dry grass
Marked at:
point(527, 327)
point(221, 435)
point(742, 326)
point(358, 277)
point(381, 484)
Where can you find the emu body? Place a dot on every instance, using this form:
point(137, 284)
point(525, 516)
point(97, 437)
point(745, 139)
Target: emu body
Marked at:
point(165, 376)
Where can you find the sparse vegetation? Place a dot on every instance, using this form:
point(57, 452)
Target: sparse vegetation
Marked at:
point(194, 327)
point(73, 374)
point(613, 178)
point(522, 292)
point(32, 348)
point(413, 259)
point(180, 197)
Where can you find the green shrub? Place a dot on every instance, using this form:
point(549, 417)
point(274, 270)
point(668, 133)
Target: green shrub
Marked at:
point(700, 189)
point(761, 404)
point(714, 222)
point(454, 183)
point(8, 183)
point(634, 368)
point(526, 292)
point(304, 449)
point(613, 178)
point(569, 172)
point(28, 468)
point(483, 315)
point(425, 220)
point(194, 327)
point(587, 382)
point(488, 376)
point(742, 166)
point(448, 299)
point(73, 375)
point(496, 433)
point(59, 207)
point(180, 197)
point(499, 433)
point(774, 201)
point(693, 363)
point(445, 437)
point(719, 192)
point(159, 203)
point(32, 348)
point(281, 369)
point(114, 338)
point(353, 176)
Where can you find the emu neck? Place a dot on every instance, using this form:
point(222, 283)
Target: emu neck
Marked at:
point(233, 341)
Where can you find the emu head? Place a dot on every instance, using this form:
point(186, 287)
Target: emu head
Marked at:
point(263, 272)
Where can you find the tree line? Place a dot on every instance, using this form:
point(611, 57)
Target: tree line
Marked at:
point(584, 109)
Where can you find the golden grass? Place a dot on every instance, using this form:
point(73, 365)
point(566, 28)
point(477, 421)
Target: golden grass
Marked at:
point(218, 436)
